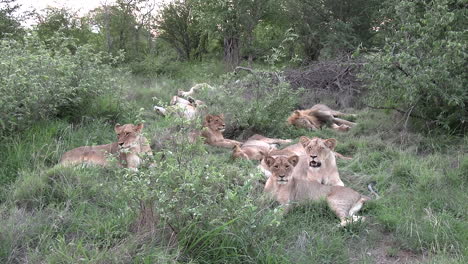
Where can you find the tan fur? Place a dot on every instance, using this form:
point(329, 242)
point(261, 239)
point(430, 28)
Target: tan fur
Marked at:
point(287, 190)
point(194, 88)
point(212, 132)
point(130, 143)
point(187, 109)
point(318, 116)
point(326, 173)
point(321, 160)
point(255, 146)
point(296, 149)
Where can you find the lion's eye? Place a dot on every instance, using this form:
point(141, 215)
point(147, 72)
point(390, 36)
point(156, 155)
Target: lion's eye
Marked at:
point(287, 167)
point(276, 166)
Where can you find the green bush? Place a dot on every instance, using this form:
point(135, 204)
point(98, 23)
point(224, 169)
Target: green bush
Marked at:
point(38, 84)
point(258, 102)
point(421, 69)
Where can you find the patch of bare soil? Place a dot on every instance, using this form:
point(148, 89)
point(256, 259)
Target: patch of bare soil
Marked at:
point(385, 250)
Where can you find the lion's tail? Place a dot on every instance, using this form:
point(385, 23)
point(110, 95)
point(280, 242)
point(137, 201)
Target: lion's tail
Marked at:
point(370, 186)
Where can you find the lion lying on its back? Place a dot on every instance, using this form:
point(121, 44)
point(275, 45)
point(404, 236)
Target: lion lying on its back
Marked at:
point(188, 109)
point(129, 145)
point(318, 116)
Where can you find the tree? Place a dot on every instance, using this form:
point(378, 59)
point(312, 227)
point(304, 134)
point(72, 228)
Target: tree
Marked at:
point(126, 26)
point(234, 21)
point(65, 22)
point(179, 26)
point(9, 24)
point(338, 25)
point(421, 70)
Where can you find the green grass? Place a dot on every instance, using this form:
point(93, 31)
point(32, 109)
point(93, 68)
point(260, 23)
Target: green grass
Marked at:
point(63, 215)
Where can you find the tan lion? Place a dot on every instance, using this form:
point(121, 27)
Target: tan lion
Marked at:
point(212, 132)
point(287, 190)
point(321, 158)
point(255, 147)
point(322, 168)
point(129, 145)
point(188, 109)
point(194, 88)
point(318, 116)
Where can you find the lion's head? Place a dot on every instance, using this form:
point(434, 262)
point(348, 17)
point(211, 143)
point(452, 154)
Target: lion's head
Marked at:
point(128, 135)
point(300, 119)
point(319, 150)
point(281, 167)
point(215, 122)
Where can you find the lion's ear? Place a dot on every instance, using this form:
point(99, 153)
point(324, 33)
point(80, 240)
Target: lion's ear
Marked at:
point(138, 127)
point(208, 118)
point(330, 143)
point(293, 160)
point(304, 141)
point(269, 160)
point(236, 147)
point(222, 116)
point(117, 128)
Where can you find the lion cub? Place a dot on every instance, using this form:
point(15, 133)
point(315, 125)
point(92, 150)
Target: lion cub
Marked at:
point(130, 143)
point(286, 189)
point(212, 132)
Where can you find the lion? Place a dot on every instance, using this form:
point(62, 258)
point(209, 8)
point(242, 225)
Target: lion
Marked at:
point(255, 147)
point(192, 90)
point(324, 169)
point(321, 159)
point(188, 109)
point(318, 116)
point(288, 190)
point(130, 143)
point(212, 132)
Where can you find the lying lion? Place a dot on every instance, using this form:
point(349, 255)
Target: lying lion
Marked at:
point(212, 132)
point(322, 168)
point(129, 145)
point(318, 116)
point(187, 109)
point(255, 147)
point(194, 88)
point(288, 189)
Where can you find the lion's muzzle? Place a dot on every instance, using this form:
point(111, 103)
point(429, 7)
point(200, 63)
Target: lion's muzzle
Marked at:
point(313, 163)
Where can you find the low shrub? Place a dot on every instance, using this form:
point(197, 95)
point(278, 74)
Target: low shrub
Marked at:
point(254, 103)
point(37, 83)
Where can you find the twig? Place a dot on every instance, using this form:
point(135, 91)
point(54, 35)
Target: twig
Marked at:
point(238, 68)
point(398, 110)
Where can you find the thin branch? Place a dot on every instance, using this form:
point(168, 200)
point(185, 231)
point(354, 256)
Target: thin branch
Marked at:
point(398, 110)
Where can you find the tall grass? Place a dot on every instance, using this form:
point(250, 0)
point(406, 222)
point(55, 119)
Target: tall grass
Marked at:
point(50, 214)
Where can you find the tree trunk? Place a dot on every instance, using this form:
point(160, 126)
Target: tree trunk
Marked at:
point(231, 52)
point(107, 25)
point(312, 48)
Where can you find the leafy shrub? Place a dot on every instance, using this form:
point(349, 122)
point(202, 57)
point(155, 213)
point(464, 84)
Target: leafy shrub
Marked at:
point(421, 68)
point(38, 84)
point(258, 102)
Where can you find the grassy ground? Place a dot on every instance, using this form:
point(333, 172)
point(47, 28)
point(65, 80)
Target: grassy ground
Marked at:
point(215, 204)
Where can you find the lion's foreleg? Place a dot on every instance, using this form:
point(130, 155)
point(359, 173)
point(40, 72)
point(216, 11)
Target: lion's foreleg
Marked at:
point(340, 121)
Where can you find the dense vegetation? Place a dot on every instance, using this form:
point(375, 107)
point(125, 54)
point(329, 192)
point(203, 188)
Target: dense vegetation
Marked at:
point(68, 80)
